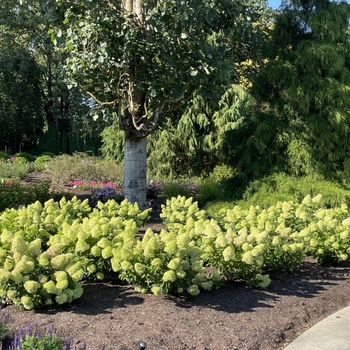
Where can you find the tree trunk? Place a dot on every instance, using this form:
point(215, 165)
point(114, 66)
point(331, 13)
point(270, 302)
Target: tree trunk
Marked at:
point(135, 152)
point(135, 170)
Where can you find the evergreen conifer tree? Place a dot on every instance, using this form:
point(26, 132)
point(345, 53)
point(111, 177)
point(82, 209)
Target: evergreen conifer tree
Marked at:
point(303, 121)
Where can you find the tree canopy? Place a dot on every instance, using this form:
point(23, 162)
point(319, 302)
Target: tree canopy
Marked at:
point(22, 116)
point(143, 57)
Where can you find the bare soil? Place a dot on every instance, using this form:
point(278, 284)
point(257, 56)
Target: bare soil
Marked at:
point(111, 315)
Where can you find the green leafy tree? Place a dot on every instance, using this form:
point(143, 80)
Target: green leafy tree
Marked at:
point(25, 25)
point(143, 57)
point(302, 122)
point(22, 114)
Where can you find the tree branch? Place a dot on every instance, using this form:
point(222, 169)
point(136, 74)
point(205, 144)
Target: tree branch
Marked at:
point(98, 101)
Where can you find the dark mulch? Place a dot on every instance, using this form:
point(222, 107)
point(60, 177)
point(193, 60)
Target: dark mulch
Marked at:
point(113, 315)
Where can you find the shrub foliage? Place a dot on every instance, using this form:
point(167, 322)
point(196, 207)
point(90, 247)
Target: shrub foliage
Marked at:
point(47, 250)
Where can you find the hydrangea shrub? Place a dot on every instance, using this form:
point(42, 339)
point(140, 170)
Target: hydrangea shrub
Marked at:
point(47, 250)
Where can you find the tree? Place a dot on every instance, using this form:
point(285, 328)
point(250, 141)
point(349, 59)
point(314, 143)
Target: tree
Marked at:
point(188, 136)
point(22, 114)
point(143, 57)
point(302, 125)
point(25, 25)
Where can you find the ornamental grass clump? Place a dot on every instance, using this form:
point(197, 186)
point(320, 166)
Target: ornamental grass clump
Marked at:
point(65, 168)
point(11, 168)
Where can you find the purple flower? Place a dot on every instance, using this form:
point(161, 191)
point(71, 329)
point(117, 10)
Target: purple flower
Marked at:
point(15, 342)
point(104, 194)
point(27, 329)
point(68, 344)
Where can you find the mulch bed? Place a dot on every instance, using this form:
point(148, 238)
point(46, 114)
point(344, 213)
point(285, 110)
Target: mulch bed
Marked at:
point(113, 315)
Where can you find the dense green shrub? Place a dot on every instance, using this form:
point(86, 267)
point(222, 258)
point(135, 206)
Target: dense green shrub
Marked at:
point(4, 156)
point(14, 195)
point(25, 155)
point(208, 190)
point(50, 154)
point(32, 272)
point(80, 166)
point(93, 238)
point(15, 170)
point(42, 159)
point(20, 159)
point(178, 210)
point(218, 248)
point(178, 188)
point(214, 208)
point(46, 250)
point(41, 162)
point(327, 235)
point(221, 173)
point(281, 187)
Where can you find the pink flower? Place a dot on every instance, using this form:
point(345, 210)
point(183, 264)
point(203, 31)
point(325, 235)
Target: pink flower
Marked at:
point(9, 182)
point(76, 183)
point(109, 184)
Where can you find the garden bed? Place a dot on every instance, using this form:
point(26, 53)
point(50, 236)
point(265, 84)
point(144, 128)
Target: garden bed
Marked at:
point(233, 317)
point(111, 315)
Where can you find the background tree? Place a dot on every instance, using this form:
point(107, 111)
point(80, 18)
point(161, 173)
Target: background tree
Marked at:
point(25, 25)
point(22, 116)
point(301, 125)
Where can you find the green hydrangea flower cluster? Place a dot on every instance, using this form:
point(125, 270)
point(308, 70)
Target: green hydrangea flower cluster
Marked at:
point(93, 238)
point(168, 262)
point(179, 210)
point(32, 276)
point(47, 250)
